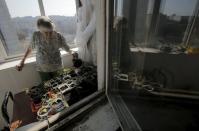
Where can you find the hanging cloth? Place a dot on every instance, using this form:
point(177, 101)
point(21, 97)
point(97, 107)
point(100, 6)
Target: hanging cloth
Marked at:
point(85, 34)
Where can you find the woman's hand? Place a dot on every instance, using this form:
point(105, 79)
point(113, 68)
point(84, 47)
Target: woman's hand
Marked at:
point(20, 66)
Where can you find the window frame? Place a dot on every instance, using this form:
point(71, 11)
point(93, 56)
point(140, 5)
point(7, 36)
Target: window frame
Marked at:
point(3, 53)
point(4, 57)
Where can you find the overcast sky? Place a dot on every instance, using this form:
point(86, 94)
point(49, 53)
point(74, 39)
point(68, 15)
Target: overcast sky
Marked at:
point(67, 7)
point(179, 7)
point(20, 8)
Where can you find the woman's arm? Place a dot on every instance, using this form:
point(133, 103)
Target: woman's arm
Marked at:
point(64, 45)
point(21, 64)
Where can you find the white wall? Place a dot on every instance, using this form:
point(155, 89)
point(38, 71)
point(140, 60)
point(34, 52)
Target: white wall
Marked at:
point(12, 80)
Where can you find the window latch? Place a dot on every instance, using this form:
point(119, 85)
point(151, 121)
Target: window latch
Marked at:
point(122, 77)
point(131, 76)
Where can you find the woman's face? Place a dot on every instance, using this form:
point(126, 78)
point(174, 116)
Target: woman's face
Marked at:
point(47, 34)
point(45, 31)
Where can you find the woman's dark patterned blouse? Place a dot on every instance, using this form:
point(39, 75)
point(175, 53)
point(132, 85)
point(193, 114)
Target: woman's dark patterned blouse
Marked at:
point(48, 57)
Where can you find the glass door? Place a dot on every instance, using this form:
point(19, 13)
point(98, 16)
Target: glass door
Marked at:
point(153, 67)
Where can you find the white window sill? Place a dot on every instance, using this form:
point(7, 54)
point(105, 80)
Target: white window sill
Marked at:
point(29, 60)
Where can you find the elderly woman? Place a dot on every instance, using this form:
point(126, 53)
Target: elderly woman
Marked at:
point(47, 43)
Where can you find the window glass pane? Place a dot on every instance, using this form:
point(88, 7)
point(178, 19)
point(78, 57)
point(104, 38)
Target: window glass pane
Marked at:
point(62, 13)
point(143, 17)
point(174, 21)
point(142, 21)
point(162, 23)
point(150, 88)
point(17, 23)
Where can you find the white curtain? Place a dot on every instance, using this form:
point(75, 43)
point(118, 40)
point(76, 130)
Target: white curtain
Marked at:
point(85, 35)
